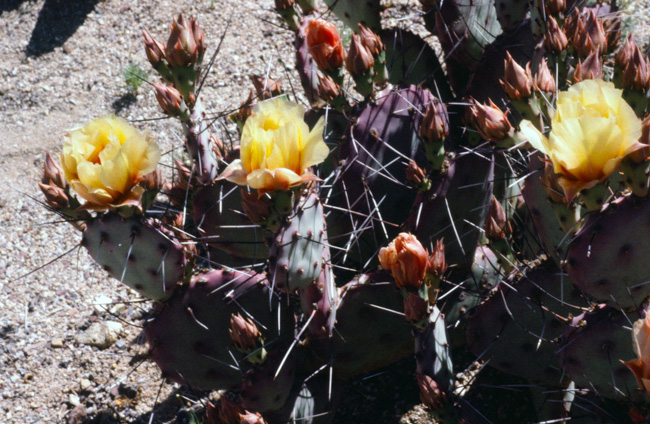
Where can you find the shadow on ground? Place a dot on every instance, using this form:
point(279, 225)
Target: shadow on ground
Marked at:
point(57, 21)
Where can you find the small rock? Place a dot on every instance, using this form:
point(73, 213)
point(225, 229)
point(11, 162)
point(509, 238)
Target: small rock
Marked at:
point(84, 384)
point(74, 400)
point(57, 342)
point(101, 334)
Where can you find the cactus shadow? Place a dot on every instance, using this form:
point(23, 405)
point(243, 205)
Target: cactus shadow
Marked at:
point(123, 102)
point(57, 21)
point(9, 5)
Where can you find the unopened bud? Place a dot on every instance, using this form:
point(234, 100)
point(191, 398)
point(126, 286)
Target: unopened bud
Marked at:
point(327, 88)
point(543, 79)
point(217, 147)
point(244, 333)
point(256, 208)
point(359, 60)
point(406, 259)
point(229, 411)
point(251, 418)
point(417, 177)
point(371, 41)
point(415, 308)
point(517, 82)
point(571, 24)
point(430, 393)
point(153, 180)
point(154, 49)
point(635, 75)
point(555, 40)
point(625, 53)
point(554, 7)
point(490, 121)
point(496, 223)
point(182, 48)
point(613, 24)
point(55, 196)
point(169, 99)
point(589, 35)
point(436, 263)
point(591, 68)
point(266, 88)
point(325, 45)
point(52, 172)
point(435, 122)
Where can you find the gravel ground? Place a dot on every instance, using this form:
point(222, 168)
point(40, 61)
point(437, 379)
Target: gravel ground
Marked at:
point(61, 64)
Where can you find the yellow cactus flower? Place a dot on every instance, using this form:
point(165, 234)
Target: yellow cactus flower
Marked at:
point(277, 148)
point(592, 130)
point(105, 159)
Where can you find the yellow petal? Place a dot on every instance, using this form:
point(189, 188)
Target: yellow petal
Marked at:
point(115, 174)
point(315, 150)
point(235, 173)
point(534, 137)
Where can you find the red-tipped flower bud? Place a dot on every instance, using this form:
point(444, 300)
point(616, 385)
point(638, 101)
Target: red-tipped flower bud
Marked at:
point(517, 82)
point(436, 263)
point(406, 259)
point(359, 60)
point(554, 7)
point(635, 73)
point(625, 53)
point(325, 45)
point(185, 43)
point(496, 223)
point(589, 35)
point(490, 121)
point(371, 41)
point(169, 98)
point(643, 154)
point(229, 411)
point(55, 196)
point(266, 87)
point(435, 122)
point(543, 79)
point(327, 88)
point(415, 308)
point(244, 333)
point(555, 40)
point(591, 68)
point(417, 177)
point(154, 49)
point(52, 172)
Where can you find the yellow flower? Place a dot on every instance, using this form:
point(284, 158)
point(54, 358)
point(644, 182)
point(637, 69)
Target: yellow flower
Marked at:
point(105, 159)
point(592, 130)
point(277, 148)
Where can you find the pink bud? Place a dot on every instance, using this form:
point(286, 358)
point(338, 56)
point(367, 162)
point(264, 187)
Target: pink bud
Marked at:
point(359, 60)
point(517, 82)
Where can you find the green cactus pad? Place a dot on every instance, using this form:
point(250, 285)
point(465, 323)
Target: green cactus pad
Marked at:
point(223, 226)
point(136, 253)
point(593, 349)
point(189, 337)
point(353, 13)
point(296, 256)
point(518, 325)
point(608, 258)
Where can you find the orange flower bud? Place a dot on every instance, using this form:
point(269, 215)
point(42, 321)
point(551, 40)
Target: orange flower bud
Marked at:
point(635, 73)
point(406, 259)
point(416, 176)
point(554, 7)
point(52, 172)
point(589, 35)
point(244, 333)
point(543, 79)
point(555, 39)
point(436, 263)
point(266, 87)
point(496, 223)
point(491, 123)
point(430, 393)
point(591, 68)
point(371, 41)
point(625, 53)
point(229, 411)
point(325, 45)
point(185, 45)
point(415, 308)
point(435, 122)
point(360, 59)
point(251, 418)
point(327, 88)
point(641, 343)
point(169, 98)
point(517, 82)
point(55, 196)
point(154, 49)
